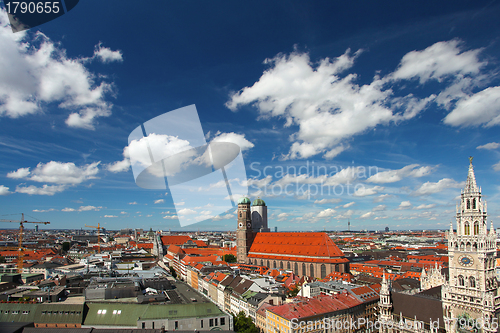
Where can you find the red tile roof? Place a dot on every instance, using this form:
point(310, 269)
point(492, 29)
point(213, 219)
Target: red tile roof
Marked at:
point(312, 307)
point(174, 240)
point(296, 246)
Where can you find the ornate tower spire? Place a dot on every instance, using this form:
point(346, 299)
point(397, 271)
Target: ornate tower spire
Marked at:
point(470, 185)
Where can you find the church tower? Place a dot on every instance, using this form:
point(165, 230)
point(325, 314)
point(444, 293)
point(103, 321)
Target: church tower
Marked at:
point(385, 305)
point(244, 233)
point(471, 291)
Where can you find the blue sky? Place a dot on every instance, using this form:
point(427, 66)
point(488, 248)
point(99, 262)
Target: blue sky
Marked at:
point(366, 111)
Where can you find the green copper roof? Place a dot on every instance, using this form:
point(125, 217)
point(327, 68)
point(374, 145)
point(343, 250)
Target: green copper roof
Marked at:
point(244, 200)
point(258, 202)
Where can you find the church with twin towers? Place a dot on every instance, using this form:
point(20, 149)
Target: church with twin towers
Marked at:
point(311, 254)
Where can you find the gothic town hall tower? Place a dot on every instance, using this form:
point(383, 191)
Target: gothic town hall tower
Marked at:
point(472, 289)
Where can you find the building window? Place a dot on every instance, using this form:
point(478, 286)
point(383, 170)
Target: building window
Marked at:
point(211, 322)
point(467, 229)
point(476, 228)
point(296, 269)
point(468, 204)
point(323, 271)
point(222, 321)
point(461, 281)
point(143, 325)
point(472, 282)
point(216, 322)
point(176, 325)
point(311, 270)
point(304, 269)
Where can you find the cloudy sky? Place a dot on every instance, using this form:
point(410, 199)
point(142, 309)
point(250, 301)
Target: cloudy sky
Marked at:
point(364, 111)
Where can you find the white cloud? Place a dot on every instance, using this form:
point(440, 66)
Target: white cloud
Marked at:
point(119, 166)
point(57, 172)
point(123, 212)
point(482, 108)
point(19, 173)
point(326, 106)
point(235, 138)
point(347, 205)
point(438, 61)
point(282, 216)
point(325, 201)
point(44, 190)
point(392, 176)
point(82, 209)
point(379, 208)
point(159, 201)
point(365, 191)
point(326, 213)
point(36, 71)
point(382, 197)
point(329, 106)
point(89, 208)
point(489, 146)
point(186, 211)
point(106, 55)
point(258, 183)
point(170, 217)
point(496, 166)
point(44, 210)
point(110, 216)
point(424, 206)
point(4, 190)
point(404, 205)
point(132, 203)
point(431, 188)
point(345, 215)
point(367, 215)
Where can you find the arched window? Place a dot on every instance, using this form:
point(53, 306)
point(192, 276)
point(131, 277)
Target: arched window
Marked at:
point(476, 228)
point(468, 204)
point(296, 269)
point(269, 266)
point(240, 213)
point(304, 273)
point(261, 262)
point(288, 265)
point(466, 229)
point(311, 270)
point(323, 271)
point(472, 282)
point(281, 264)
point(274, 264)
point(474, 203)
point(461, 281)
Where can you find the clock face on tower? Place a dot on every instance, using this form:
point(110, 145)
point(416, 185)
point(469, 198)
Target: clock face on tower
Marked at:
point(241, 225)
point(465, 261)
point(248, 225)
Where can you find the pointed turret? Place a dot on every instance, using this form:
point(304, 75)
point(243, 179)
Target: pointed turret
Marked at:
point(492, 229)
point(470, 185)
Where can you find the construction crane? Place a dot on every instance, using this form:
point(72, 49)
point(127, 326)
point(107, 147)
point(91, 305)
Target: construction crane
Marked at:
point(98, 235)
point(20, 255)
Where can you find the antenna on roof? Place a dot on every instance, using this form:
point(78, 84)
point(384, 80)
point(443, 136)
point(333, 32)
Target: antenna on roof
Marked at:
point(348, 225)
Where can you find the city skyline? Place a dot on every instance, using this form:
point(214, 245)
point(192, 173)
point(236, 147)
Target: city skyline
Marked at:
point(344, 112)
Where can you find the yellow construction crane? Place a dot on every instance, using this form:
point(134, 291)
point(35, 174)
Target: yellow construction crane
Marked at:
point(98, 235)
point(20, 255)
